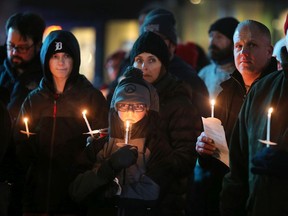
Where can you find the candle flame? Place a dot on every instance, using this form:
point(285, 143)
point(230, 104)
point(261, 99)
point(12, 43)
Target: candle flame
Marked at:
point(127, 123)
point(25, 119)
point(270, 110)
point(212, 102)
point(84, 112)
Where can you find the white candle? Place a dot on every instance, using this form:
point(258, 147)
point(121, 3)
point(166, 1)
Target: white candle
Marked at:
point(127, 132)
point(25, 119)
point(86, 121)
point(212, 108)
point(270, 110)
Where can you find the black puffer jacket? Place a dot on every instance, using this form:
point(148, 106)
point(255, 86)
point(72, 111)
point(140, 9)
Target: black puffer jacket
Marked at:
point(53, 155)
point(183, 71)
point(181, 122)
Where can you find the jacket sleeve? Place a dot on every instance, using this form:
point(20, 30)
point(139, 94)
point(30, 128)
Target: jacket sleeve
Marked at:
point(90, 181)
point(235, 188)
point(185, 126)
point(5, 131)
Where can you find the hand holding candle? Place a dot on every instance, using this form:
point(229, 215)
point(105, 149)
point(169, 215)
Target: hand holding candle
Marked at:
point(212, 102)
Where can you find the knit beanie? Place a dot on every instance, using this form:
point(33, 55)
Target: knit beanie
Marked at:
point(161, 21)
point(58, 46)
point(150, 42)
point(286, 25)
point(226, 26)
point(134, 89)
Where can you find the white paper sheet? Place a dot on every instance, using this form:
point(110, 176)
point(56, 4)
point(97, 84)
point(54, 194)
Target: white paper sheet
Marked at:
point(214, 130)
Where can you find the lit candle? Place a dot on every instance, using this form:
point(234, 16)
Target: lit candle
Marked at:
point(127, 132)
point(25, 119)
point(212, 108)
point(270, 110)
point(87, 123)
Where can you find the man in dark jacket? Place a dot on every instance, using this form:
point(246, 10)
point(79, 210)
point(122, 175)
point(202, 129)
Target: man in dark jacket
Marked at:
point(252, 63)
point(21, 70)
point(257, 181)
point(20, 73)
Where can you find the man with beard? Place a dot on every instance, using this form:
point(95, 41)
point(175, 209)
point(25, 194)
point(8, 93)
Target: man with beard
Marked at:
point(221, 55)
point(19, 74)
point(21, 70)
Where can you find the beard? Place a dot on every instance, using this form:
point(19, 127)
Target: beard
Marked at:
point(18, 63)
point(220, 55)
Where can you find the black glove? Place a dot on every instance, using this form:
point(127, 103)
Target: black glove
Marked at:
point(270, 161)
point(90, 140)
point(123, 157)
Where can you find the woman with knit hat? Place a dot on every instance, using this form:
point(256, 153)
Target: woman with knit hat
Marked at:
point(132, 165)
point(179, 118)
point(50, 145)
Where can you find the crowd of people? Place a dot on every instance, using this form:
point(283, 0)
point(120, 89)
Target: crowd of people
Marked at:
point(144, 147)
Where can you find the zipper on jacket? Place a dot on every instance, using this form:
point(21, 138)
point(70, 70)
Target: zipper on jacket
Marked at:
point(51, 151)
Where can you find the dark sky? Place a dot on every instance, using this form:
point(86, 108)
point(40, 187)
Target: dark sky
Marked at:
point(107, 9)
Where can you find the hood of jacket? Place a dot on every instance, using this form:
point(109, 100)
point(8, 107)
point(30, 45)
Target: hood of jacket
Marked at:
point(70, 45)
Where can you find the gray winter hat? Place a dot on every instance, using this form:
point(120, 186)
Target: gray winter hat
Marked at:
point(133, 88)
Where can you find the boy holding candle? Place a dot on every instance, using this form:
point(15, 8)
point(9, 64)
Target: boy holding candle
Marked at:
point(258, 175)
point(51, 158)
point(130, 173)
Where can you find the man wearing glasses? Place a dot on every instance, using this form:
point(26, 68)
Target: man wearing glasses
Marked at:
point(19, 74)
point(21, 70)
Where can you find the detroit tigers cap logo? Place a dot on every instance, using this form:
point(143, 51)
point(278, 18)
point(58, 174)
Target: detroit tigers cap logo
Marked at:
point(58, 46)
point(130, 88)
point(152, 28)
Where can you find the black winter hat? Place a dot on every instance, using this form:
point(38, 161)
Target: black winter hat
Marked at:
point(59, 46)
point(161, 21)
point(226, 26)
point(150, 42)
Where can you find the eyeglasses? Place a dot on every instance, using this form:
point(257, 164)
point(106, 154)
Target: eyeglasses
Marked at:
point(19, 49)
point(124, 107)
